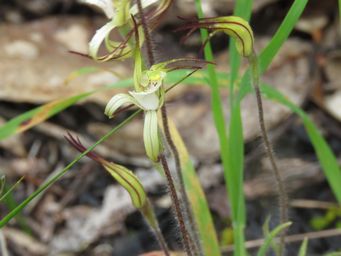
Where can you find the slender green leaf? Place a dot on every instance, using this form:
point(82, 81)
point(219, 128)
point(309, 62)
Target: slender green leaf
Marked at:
point(269, 52)
point(232, 177)
point(303, 248)
point(56, 177)
point(197, 197)
point(37, 115)
point(80, 72)
point(2, 183)
point(281, 35)
point(324, 153)
point(11, 189)
point(267, 242)
point(243, 8)
point(340, 11)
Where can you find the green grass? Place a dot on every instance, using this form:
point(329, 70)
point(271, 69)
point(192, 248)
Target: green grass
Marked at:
point(232, 175)
point(233, 161)
point(61, 173)
point(270, 237)
point(303, 248)
point(230, 135)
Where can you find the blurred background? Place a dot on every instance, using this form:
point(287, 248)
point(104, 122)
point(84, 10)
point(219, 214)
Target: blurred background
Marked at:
point(86, 212)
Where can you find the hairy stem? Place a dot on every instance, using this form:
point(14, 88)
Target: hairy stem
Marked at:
point(149, 214)
point(185, 205)
point(147, 35)
point(282, 195)
point(177, 206)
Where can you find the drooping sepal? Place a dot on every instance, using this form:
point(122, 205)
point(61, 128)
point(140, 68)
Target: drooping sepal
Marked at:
point(151, 136)
point(116, 102)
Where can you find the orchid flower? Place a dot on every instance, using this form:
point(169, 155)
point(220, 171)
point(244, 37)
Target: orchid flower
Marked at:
point(149, 96)
point(119, 13)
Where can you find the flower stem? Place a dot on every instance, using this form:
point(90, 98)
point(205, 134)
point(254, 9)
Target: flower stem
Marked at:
point(146, 32)
point(148, 213)
point(282, 194)
point(185, 205)
point(187, 241)
point(177, 206)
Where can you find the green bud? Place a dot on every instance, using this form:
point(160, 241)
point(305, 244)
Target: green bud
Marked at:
point(129, 181)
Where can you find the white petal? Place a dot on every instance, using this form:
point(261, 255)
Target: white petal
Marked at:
point(117, 101)
point(151, 135)
point(106, 6)
point(147, 100)
point(98, 38)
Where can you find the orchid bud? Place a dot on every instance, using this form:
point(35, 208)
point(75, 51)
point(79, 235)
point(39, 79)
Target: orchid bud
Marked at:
point(121, 174)
point(129, 181)
point(236, 27)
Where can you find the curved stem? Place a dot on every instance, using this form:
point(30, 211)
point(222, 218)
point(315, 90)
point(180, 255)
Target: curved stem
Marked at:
point(282, 195)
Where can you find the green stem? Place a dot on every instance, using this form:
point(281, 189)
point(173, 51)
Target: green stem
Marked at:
point(148, 213)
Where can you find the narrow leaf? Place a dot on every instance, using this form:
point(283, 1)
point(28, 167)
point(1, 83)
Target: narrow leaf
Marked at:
point(197, 197)
point(4, 196)
point(266, 245)
point(61, 173)
point(324, 153)
point(303, 247)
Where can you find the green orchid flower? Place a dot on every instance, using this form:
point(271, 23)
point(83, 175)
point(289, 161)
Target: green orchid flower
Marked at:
point(119, 12)
point(148, 97)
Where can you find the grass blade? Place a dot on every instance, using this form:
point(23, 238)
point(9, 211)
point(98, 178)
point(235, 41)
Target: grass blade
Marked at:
point(269, 52)
point(243, 8)
point(339, 11)
point(11, 189)
point(197, 197)
point(37, 115)
point(303, 248)
point(233, 177)
point(48, 183)
point(324, 153)
point(269, 238)
point(281, 35)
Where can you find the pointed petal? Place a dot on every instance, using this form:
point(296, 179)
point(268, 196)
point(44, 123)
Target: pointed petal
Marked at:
point(129, 181)
point(151, 135)
point(105, 5)
point(99, 37)
point(117, 101)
